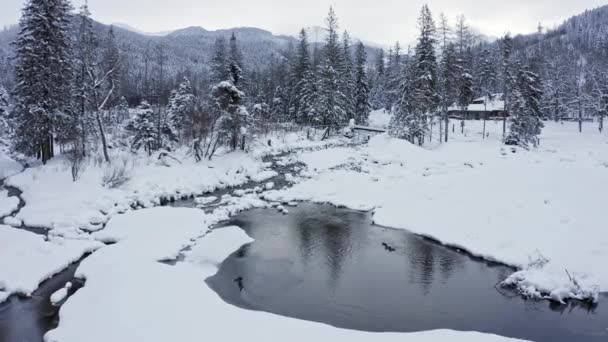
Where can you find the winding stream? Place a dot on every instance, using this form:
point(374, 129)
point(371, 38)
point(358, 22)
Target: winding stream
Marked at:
point(332, 265)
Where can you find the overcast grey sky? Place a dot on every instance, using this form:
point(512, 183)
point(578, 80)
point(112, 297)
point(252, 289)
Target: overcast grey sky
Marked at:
point(380, 21)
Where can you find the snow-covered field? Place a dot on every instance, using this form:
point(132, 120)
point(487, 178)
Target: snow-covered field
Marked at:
point(541, 210)
point(136, 298)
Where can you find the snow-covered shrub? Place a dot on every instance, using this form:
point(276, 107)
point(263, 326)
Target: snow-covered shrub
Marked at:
point(117, 173)
point(77, 162)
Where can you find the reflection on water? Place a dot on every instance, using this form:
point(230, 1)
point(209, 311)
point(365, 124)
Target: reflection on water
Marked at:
point(332, 265)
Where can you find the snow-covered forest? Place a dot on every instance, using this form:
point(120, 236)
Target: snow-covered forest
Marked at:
point(139, 169)
point(560, 74)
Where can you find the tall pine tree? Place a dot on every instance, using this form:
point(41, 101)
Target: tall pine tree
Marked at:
point(361, 93)
point(43, 75)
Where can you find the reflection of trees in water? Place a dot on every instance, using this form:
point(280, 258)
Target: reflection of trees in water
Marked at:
point(428, 260)
point(305, 231)
point(330, 230)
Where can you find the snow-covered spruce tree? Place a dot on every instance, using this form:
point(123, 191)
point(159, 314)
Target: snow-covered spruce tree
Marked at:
point(181, 104)
point(361, 95)
point(425, 88)
point(261, 116)
point(309, 99)
point(84, 55)
point(122, 110)
point(506, 50)
point(43, 74)
point(143, 128)
point(299, 78)
point(233, 116)
point(406, 123)
point(378, 89)
point(394, 77)
point(526, 117)
point(465, 91)
point(487, 81)
point(235, 67)
point(447, 84)
point(331, 102)
point(219, 62)
point(347, 77)
point(4, 113)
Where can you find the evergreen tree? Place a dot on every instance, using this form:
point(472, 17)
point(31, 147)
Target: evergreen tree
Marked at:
point(122, 110)
point(4, 113)
point(526, 117)
point(43, 75)
point(347, 77)
point(426, 96)
point(331, 101)
point(309, 99)
point(394, 77)
point(219, 62)
point(299, 77)
point(420, 96)
point(82, 123)
point(361, 93)
point(465, 92)
point(378, 90)
point(233, 118)
point(406, 122)
point(507, 76)
point(235, 68)
point(487, 82)
point(143, 128)
point(448, 84)
point(180, 107)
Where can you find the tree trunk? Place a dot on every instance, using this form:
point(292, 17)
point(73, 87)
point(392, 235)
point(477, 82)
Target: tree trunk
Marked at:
point(440, 130)
point(103, 137)
point(504, 125)
point(580, 116)
point(447, 127)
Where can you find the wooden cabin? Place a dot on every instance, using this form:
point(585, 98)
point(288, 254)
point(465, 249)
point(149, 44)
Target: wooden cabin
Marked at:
point(487, 107)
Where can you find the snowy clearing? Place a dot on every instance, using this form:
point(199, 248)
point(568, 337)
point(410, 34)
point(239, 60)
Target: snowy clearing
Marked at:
point(539, 210)
point(126, 284)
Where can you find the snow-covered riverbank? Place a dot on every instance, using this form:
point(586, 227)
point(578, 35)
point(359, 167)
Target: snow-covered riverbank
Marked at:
point(539, 210)
point(72, 210)
point(69, 208)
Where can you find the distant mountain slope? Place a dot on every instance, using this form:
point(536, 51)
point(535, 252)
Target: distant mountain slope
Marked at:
point(188, 50)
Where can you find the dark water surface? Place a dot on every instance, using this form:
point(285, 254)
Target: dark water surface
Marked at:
point(332, 265)
point(28, 319)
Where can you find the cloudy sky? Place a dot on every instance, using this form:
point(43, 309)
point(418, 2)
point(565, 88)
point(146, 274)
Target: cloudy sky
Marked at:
point(380, 21)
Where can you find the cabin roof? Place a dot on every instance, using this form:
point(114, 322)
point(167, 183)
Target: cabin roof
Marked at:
point(492, 103)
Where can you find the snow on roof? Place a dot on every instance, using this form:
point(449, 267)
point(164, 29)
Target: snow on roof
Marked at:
point(495, 103)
